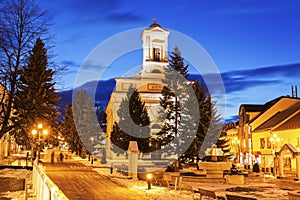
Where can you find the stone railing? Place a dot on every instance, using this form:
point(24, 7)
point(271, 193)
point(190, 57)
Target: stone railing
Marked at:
point(43, 187)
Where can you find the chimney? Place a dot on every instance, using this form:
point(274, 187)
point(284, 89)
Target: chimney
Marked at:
point(294, 91)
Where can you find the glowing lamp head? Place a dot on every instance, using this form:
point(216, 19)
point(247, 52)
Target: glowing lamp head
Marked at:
point(149, 176)
point(45, 132)
point(34, 132)
point(40, 126)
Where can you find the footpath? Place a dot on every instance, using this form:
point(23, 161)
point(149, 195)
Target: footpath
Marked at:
point(270, 188)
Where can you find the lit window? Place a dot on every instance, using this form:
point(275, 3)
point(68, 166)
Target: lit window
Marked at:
point(262, 143)
point(156, 54)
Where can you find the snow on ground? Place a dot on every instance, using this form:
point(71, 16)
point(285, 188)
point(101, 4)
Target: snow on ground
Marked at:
point(15, 173)
point(270, 189)
point(262, 190)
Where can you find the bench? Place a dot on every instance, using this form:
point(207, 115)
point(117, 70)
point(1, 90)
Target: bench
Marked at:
point(238, 197)
point(209, 193)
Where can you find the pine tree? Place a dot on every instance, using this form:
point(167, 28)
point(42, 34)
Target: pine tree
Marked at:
point(179, 113)
point(133, 124)
point(86, 121)
point(70, 133)
point(177, 63)
point(36, 96)
point(22, 21)
point(213, 127)
point(223, 143)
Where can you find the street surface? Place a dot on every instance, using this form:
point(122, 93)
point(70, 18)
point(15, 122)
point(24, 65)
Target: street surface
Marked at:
point(78, 181)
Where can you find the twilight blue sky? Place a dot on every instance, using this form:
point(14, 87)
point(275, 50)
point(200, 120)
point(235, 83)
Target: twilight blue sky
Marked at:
point(255, 44)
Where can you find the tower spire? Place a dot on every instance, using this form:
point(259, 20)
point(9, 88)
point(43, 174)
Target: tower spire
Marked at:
point(154, 20)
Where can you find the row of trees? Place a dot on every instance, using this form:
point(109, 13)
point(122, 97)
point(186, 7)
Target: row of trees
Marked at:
point(28, 77)
point(25, 73)
point(30, 96)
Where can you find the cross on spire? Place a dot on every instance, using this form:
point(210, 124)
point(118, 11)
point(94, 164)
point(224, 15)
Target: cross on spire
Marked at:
point(154, 20)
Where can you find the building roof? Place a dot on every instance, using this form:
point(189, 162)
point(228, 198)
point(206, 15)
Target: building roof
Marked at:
point(290, 148)
point(271, 103)
point(253, 107)
point(292, 123)
point(279, 117)
point(154, 23)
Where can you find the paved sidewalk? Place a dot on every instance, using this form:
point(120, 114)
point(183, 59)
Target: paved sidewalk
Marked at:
point(77, 180)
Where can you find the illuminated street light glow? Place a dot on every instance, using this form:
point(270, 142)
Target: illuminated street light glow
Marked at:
point(34, 132)
point(39, 132)
point(274, 140)
point(149, 178)
point(40, 126)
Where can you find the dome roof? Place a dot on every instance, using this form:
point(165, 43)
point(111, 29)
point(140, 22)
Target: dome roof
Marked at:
point(154, 24)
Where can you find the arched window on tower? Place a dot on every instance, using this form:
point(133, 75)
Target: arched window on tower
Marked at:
point(156, 54)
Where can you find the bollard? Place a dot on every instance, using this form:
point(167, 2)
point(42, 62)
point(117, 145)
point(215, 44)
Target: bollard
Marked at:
point(92, 160)
point(111, 168)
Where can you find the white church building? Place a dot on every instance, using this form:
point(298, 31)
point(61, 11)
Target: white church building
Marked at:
point(148, 81)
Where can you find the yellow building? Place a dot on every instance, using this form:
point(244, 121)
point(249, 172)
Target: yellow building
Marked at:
point(270, 134)
point(7, 142)
point(148, 81)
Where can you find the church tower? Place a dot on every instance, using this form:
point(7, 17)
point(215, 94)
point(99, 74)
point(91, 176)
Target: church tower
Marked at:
point(148, 82)
point(155, 50)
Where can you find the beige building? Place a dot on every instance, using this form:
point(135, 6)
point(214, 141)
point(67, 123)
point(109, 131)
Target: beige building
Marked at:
point(7, 142)
point(270, 135)
point(148, 81)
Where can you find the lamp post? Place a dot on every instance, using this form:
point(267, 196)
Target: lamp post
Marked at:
point(40, 132)
point(236, 143)
point(274, 141)
point(149, 179)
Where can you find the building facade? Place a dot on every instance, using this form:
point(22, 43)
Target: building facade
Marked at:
point(270, 131)
point(148, 81)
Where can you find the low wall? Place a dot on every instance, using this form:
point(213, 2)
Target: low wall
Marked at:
point(235, 179)
point(202, 179)
point(294, 195)
point(45, 188)
point(215, 166)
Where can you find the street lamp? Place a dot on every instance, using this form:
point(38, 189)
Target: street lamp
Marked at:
point(274, 141)
point(149, 179)
point(40, 132)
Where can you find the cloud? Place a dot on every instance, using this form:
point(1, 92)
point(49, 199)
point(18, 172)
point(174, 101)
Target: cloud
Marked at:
point(240, 80)
point(124, 17)
point(69, 63)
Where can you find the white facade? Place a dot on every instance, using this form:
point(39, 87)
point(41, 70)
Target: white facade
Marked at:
point(148, 81)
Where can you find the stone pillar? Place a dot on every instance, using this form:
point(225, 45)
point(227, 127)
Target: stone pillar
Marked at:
point(298, 166)
point(280, 166)
point(133, 152)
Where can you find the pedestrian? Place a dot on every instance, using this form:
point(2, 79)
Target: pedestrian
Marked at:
point(52, 157)
point(61, 157)
point(255, 167)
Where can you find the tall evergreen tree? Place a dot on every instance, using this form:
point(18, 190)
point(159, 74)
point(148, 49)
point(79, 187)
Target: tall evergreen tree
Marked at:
point(21, 22)
point(36, 96)
point(223, 143)
point(177, 63)
point(213, 127)
point(70, 133)
point(133, 124)
point(180, 112)
point(86, 121)
point(179, 108)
